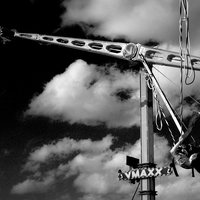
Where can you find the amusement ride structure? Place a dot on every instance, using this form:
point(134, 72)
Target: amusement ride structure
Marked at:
point(144, 170)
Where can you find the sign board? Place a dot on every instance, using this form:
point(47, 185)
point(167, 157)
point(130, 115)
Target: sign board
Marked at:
point(143, 173)
point(132, 162)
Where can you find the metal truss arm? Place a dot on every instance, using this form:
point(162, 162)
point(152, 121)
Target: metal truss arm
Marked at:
point(125, 51)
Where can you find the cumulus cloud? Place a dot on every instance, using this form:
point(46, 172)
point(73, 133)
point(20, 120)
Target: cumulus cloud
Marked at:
point(187, 186)
point(33, 186)
point(94, 166)
point(138, 21)
point(65, 147)
point(90, 95)
point(102, 182)
point(94, 171)
point(131, 19)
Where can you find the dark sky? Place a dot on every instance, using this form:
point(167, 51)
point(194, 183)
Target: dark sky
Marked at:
point(43, 136)
point(26, 67)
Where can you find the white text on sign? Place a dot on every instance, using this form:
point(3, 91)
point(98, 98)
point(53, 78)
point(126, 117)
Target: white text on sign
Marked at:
point(142, 173)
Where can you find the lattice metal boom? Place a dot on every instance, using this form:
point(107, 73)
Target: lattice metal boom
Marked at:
point(126, 51)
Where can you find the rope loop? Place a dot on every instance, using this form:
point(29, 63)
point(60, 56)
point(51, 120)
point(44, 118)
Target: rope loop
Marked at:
point(151, 86)
point(160, 115)
point(159, 110)
point(184, 52)
point(185, 45)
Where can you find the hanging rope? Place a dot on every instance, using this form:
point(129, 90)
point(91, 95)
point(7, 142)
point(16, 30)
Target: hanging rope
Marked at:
point(181, 20)
point(185, 45)
point(184, 52)
point(151, 81)
point(159, 110)
point(157, 103)
point(186, 94)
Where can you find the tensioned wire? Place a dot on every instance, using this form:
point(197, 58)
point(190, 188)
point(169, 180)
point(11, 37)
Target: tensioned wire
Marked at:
point(182, 123)
point(177, 85)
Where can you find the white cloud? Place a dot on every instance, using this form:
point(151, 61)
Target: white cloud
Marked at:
point(86, 94)
point(65, 147)
point(95, 165)
point(182, 188)
point(93, 183)
point(103, 180)
point(33, 186)
point(135, 20)
point(95, 172)
point(92, 197)
point(64, 197)
point(130, 19)
point(161, 150)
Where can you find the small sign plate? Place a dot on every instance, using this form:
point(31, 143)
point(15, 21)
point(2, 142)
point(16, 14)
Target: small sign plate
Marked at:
point(144, 173)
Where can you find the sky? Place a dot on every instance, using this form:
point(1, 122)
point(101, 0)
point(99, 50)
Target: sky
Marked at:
point(69, 118)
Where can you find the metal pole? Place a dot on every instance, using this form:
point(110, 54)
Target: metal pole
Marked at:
point(147, 139)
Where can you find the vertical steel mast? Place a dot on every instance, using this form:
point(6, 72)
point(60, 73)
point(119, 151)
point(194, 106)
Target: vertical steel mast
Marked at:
point(147, 138)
